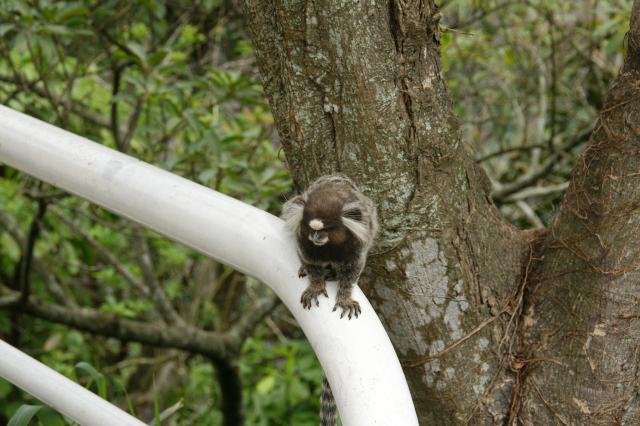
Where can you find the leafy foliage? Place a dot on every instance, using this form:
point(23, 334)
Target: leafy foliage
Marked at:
point(172, 84)
point(528, 79)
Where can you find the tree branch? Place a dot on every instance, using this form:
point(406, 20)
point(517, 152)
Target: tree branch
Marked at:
point(231, 390)
point(23, 268)
point(105, 254)
point(207, 343)
point(113, 115)
point(632, 61)
point(147, 267)
point(247, 323)
point(132, 123)
point(537, 191)
point(52, 284)
point(547, 167)
point(78, 108)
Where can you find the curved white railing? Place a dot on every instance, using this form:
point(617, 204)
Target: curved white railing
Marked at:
point(57, 391)
point(357, 355)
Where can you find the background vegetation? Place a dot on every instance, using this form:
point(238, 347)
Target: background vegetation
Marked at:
point(174, 84)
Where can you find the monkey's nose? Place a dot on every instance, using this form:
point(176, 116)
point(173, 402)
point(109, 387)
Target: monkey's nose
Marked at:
point(316, 239)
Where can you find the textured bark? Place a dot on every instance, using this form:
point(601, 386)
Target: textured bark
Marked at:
point(582, 328)
point(356, 87)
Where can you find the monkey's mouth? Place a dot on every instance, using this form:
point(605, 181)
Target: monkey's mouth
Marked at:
point(318, 240)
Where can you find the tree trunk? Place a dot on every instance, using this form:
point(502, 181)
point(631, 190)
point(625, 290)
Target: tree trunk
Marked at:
point(357, 88)
point(581, 333)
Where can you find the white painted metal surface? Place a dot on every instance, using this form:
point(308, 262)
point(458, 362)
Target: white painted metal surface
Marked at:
point(357, 355)
point(66, 396)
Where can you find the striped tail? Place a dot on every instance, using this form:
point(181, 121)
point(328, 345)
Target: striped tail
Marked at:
point(328, 410)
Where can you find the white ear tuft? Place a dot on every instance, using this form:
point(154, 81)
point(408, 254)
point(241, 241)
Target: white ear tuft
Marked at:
point(292, 213)
point(358, 229)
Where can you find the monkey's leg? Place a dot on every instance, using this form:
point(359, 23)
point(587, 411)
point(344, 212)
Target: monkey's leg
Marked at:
point(317, 286)
point(347, 277)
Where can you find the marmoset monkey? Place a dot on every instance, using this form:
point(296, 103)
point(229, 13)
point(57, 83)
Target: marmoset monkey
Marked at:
point(334, 225)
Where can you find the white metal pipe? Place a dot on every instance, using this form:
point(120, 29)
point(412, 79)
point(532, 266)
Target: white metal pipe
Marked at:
point(65, 395)
point(356, 355)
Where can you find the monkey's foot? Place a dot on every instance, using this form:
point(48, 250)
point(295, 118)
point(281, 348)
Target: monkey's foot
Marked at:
point(349, 307)
point(302, 271)
point(310, 295)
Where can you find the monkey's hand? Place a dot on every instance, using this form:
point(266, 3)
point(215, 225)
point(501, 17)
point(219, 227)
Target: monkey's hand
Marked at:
point(302, 271)
point(310, 295)
point(349, 306)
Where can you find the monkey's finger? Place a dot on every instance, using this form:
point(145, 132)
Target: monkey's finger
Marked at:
point(317, 303)
point(325, 293)
point(334, 308)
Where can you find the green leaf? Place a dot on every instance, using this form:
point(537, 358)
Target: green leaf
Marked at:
point(265, 385)
point(166, 413)
point(5, 28)
point(50, 417)
point(71, 11)
point(55, 30)
point(5, 388)
point(96, 376)
point(138, 51)
point(157, 57)
point(23, 416)
point(206, 175)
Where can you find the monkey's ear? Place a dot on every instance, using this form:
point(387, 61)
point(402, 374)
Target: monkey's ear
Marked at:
point(353, 213)
point(292, 213)
point(352, 220)
point(358, 229)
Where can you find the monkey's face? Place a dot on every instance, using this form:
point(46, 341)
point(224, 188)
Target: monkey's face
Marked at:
point(321, 221)
point(332, 220)
point(322, 231)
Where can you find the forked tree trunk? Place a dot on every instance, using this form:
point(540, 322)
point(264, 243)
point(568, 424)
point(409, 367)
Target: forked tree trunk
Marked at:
point(356, 87)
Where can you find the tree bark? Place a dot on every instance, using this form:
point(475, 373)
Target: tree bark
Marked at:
point(581, 334)
point(356, 87)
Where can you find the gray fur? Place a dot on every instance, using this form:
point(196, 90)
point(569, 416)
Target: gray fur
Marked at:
point(292, 213)
point(328, 409)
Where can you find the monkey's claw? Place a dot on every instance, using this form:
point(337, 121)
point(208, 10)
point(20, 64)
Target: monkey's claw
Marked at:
point(310, 295)
point(349, 307)
point(302, 272)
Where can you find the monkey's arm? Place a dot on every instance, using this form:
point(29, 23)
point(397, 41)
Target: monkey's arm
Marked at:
point(348, 275)
point(316, 287)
